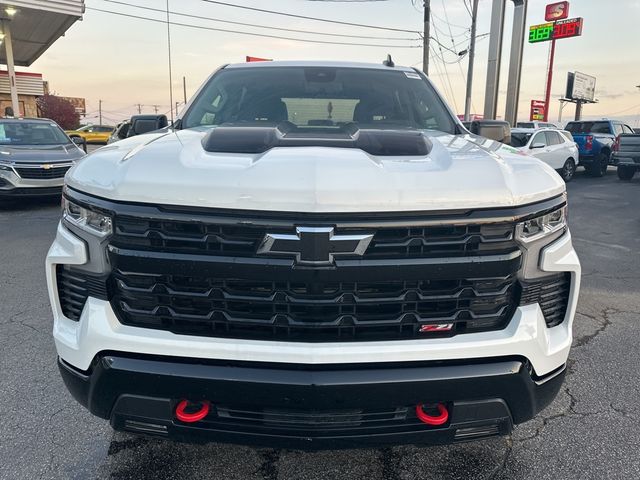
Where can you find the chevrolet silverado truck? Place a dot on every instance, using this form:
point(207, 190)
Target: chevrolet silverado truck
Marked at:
point(595, 140)
point(626, 155)
point(316, 255)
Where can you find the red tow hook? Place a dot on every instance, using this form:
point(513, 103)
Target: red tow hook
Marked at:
point(440, 419)
point(192, 417)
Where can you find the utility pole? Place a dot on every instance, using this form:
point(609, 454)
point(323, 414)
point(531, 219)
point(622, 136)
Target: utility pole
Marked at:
point(155, 107)
point(425, 37)
point(100, 111)
point(472, 53)
point(169, 53)
point(139, 109)
point(184, 89)
point(177, 104)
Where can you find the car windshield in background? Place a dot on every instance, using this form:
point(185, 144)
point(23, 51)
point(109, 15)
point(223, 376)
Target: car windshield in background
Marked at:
point(525, 125)
point(325, 98)
point(588, 127)
point(519, 139)
point(31, 133)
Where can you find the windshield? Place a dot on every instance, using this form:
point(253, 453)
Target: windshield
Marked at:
point(588, 127)
point(31, 133)
point(325, 98)
point(525, 125)
point(519, 139)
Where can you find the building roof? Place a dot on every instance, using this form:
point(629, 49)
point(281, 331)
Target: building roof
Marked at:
point(37, 25)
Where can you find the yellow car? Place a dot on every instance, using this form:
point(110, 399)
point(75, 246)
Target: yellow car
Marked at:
point(92, 133)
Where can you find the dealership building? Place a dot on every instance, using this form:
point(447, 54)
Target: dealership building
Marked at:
point(27, 29)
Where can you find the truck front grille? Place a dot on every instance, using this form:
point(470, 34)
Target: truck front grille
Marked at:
point(312, 311)
point(40, 173)
point(212, 238)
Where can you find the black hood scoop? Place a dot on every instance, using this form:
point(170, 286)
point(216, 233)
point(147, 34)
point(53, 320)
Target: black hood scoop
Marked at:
point(233, 138)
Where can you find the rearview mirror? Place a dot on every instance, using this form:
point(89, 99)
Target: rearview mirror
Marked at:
point(537, 145)
point(81, 142)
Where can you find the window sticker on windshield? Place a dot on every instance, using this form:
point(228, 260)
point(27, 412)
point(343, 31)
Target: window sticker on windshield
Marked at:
point(412, 75)
point(3, 135)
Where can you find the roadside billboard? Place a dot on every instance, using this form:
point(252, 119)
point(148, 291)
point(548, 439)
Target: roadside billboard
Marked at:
point(580, 86)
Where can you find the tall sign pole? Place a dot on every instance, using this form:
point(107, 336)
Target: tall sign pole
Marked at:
point(558, 26)
point(547, 95)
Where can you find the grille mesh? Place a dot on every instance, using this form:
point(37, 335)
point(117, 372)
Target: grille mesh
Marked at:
point(200, 237)
point(311, 311)
point(552, 294)
point(42, 173)
point(74, 286)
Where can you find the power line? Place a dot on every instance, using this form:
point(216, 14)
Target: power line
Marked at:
point(444, 66)
point(231, 22)
point(264, 35)
point(362, 25)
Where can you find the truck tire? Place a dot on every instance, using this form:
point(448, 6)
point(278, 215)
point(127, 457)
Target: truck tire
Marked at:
point(568, 170)
point(599, 167)
point(626, 173)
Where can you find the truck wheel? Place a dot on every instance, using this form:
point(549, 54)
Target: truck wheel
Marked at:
point(626, 173)
point(599, 167)
point(568, 170)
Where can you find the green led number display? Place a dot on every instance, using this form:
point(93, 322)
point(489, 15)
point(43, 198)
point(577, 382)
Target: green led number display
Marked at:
point(540, 33)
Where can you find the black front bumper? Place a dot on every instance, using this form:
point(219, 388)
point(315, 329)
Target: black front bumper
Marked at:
point(321, 407)
point(30, 192)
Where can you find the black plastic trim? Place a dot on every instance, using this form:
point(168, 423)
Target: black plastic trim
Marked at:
point(339, 219)
point(145, 388)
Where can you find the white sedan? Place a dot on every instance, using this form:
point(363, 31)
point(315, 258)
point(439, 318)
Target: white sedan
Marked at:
point(554, 147)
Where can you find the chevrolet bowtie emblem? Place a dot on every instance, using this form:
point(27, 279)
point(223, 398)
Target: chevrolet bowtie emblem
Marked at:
point(314, 245)
point(47, 166)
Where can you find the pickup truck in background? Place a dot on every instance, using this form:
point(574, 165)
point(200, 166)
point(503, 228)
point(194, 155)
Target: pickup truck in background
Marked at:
point(595, 140)
point(626, 155)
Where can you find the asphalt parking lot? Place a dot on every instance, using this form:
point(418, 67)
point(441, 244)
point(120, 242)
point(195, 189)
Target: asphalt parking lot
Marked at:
point(592, 430)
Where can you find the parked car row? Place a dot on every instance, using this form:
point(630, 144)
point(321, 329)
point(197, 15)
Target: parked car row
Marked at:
point(592, 144)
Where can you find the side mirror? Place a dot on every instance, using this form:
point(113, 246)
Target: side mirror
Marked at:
point(537, 145)
point(498, 130)
point(81, 142)
point(141, 124)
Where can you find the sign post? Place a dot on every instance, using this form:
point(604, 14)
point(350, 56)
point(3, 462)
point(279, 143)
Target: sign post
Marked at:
point(558, 26)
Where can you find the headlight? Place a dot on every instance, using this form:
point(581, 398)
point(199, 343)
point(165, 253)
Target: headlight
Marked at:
point(92, 221)
point(542, 226)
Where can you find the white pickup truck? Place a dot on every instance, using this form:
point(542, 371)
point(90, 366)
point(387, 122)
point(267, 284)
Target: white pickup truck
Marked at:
point(316, 254)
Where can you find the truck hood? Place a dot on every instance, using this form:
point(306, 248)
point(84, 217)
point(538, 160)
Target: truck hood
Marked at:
point(40, 153)
point(460, 172)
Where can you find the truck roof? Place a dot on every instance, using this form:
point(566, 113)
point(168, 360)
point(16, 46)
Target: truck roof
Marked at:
point(318, 63)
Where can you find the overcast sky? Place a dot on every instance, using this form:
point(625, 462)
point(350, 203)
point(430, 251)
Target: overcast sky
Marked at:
point(123, 61)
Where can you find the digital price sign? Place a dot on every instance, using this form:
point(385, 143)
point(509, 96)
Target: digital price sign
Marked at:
point(544, 32)
point(541, 33)
point(571, 27)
